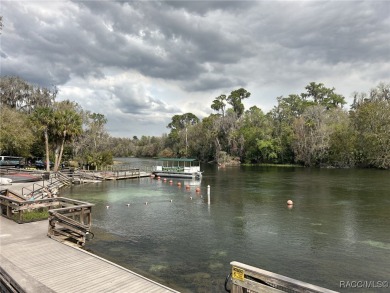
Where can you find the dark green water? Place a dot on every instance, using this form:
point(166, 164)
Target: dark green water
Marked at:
point(338, 229)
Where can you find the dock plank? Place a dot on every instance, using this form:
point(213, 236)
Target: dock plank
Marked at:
point(62, 268)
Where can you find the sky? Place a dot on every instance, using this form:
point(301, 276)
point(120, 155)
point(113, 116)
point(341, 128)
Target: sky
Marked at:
point(139, 63)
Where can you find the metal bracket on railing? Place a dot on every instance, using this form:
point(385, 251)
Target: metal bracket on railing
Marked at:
point(228, 282)
point(89, 235)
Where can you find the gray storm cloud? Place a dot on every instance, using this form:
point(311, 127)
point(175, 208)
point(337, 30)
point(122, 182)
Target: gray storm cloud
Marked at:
point(177, 54)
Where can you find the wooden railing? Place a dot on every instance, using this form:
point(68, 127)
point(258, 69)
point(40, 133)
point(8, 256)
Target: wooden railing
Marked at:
point(85, 175)
point(17, 208)
point(69, 220)
point(64, 178)
point(35, 188)
point(125, 173)
point(248, 279)
point(71, 223)
point(46, 187)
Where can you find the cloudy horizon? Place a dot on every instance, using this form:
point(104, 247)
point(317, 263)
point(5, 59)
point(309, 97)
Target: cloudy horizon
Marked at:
point(141, 62)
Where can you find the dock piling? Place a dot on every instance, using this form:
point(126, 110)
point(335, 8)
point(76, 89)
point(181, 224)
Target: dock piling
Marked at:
point(208, 194)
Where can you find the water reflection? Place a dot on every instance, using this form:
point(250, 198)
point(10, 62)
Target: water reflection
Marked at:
point(336, 230)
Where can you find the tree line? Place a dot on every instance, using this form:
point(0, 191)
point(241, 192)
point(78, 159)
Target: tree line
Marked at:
point(34, 125)
point(311, 128)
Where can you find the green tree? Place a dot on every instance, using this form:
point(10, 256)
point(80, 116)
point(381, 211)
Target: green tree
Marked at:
point(43, 120)
point(313, 132)
point(94, 146)
point(321, 95)
point(204, 143)
point(219, 104)
point(67, 125)
point(180, 122)
point(371, 120)
point(256, 129)
point(179, 132)
point(252, 129)
point(20, 95)
point(121, 146)
point(227, 136)
point(150, 146)
point(342, 151)
point(16, 136)
point(283, 116)
point(292, 106)
point(235, 100)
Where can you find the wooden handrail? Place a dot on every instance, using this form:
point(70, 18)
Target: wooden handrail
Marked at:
point(247, 278)
point(70, 220)
point(63, 223)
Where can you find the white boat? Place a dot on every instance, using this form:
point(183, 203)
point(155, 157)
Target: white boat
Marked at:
point(177, 168)
point(5, 181)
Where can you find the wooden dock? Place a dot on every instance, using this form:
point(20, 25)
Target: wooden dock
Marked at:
point(32, 262)
point(84, 176)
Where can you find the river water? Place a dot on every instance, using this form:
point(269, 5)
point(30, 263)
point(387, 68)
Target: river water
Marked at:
point(337, 231)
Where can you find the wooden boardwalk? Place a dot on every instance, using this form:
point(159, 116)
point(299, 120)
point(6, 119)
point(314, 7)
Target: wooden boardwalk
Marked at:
point(36, 263)
point(84, 176)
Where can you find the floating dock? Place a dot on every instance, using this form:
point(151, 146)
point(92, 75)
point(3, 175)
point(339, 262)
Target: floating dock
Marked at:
point(32, 262)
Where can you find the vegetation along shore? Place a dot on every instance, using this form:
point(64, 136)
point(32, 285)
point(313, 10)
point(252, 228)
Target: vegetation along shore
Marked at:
point(312, 128)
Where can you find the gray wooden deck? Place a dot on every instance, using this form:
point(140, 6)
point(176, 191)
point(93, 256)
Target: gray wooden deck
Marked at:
point(39, 264)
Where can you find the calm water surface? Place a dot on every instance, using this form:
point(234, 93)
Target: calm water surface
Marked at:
point(338, 229)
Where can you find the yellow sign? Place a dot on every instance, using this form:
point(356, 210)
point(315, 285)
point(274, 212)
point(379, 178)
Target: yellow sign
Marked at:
point(238, 274)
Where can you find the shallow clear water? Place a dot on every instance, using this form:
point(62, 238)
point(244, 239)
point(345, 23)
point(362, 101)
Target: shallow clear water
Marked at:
point(337, 230)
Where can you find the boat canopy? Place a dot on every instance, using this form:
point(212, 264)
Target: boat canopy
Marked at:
point(176, 159)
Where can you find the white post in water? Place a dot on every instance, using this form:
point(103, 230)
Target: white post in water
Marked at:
point(208, 194)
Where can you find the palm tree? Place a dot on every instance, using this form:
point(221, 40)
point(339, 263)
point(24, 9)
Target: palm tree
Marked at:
point(43, 118)
point(68, 125)
point(219, 104)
